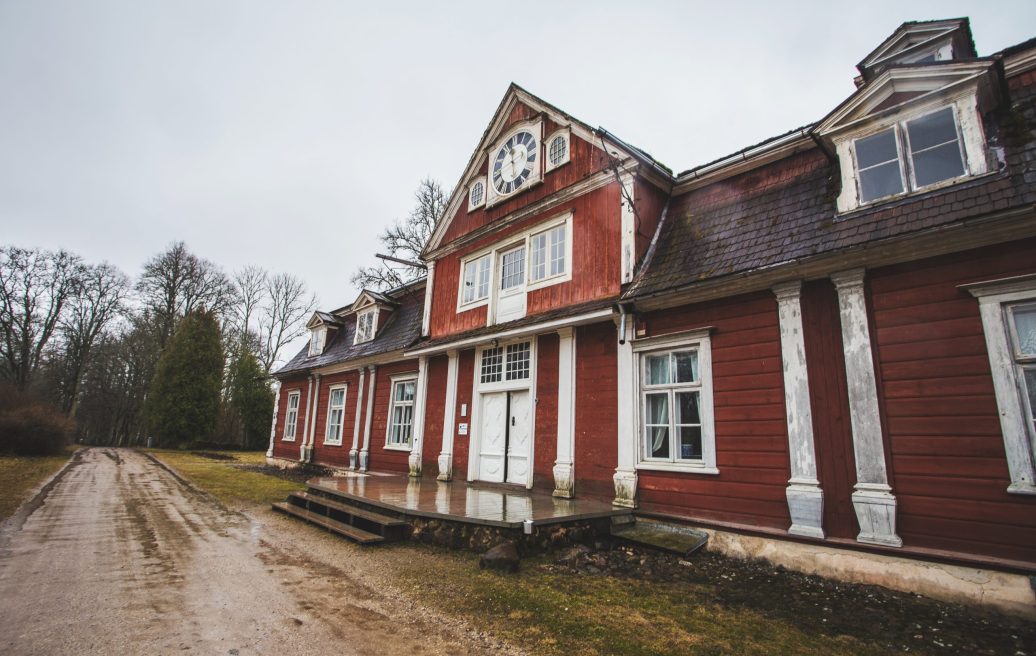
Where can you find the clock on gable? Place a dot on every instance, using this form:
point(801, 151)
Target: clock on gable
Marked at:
point(515, 163)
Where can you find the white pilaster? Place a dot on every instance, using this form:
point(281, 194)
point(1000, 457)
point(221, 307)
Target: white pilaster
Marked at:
point(365, 451)
point(426, 317)
point(448, 418)
point(273, 421)
point(628, 223)
point(873, 500)
point(354, 450)
point(805, 498)
point(305, 421)
point(625, 477)
point(564, 466)
point(307, 449)
point(417, 434)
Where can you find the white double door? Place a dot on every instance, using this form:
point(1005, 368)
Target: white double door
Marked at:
point(505, 445)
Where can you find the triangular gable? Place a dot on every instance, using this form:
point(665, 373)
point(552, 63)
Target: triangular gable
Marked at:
point(368, 298)
point(322, 319)
point(916, 41)
point(497, 125)
point(902, 85)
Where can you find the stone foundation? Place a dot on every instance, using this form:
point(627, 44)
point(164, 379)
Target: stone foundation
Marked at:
point(479, 538)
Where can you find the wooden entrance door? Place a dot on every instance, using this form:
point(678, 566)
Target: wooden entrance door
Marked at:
point(505, 440)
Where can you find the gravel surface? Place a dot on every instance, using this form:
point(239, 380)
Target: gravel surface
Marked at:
point(121, 556)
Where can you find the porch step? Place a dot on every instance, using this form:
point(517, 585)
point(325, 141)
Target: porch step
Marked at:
point(351, 532)
point(674, 538)
point(309, 499)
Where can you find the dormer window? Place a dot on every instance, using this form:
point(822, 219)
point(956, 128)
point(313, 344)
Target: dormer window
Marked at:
point(366, 325)
point(317, 340)
point(909, 155)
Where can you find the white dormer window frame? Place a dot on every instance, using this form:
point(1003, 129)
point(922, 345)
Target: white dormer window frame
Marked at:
point(477, 192)
point(317, 340)
point(557, 156)
point(970, 140)
point(366, 325)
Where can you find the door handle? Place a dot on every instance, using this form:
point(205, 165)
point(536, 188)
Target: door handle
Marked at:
point(512, 421)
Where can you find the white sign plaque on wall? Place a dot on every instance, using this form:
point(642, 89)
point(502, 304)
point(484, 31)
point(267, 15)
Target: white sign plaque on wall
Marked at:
point(462, 429)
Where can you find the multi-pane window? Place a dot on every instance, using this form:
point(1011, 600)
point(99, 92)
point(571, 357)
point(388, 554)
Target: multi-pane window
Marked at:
point(558, 151)
point(365, 326)
point(335, 415)
point(1022, 326)
point(476, 280)
point(671, 405)
point(506, 363)
point(512, 268)
point(476, 195)
point(547, 253)
point(316, 341)
point(401, 414)
point(291, 419)
point(910, 155)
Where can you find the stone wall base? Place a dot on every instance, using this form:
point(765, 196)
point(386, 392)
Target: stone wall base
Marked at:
point(478, 538)
point(1010, 593)
point(283, 463)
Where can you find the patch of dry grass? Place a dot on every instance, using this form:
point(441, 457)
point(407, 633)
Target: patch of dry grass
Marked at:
point(224, 481)
point(20, 474)
point(548, 613)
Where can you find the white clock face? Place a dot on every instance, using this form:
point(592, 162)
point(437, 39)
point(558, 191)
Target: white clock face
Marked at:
point(515, 162)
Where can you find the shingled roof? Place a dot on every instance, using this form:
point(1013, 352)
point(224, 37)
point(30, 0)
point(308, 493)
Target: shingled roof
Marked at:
point(402, 328)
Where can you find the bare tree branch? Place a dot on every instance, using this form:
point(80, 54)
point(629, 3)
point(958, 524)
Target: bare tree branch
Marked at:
point(282, 315)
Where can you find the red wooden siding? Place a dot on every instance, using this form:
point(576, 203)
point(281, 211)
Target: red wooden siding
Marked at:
point(751, 433)
point(380, 458)
point(329, 454)
point(829, 401)
point(596, 409)
point(434, 415)
point(596, 233)
point(282, 449)
point(947, 450)
point(545, 451)
point(465, 379)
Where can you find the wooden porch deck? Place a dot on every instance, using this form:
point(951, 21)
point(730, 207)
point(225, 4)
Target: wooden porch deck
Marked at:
point(461, 501)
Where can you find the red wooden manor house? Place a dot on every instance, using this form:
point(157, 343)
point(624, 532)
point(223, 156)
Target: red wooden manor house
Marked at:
point(826, 341)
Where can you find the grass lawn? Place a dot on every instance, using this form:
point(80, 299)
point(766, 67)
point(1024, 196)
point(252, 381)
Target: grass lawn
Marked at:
point(19, 475)
point(215, 473)
point(550, 613)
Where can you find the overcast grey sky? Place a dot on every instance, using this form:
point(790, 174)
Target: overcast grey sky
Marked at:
point(288, 134)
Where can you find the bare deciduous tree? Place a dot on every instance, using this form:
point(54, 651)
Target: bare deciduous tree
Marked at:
point(282, 315)
point(406, 239)
point(176, 282)
point(251, 287)
point(98, 302)
point(34, 287)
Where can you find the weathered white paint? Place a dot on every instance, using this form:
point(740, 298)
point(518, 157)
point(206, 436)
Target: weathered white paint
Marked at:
point(628, 223)
point(273, 421)
point(417, 435)
point(307, 445)
point(805, 498)
point(1018, 440)
point(354, 450)
point(305, 421)
point(365, 450)
point(564, 465)
point(448, 418)
point(426, 316)
point(625, 478)
point(873, 500)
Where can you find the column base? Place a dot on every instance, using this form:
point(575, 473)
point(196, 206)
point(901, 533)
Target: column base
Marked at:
point(625, 489)
point(414, 461)
point(353, 456)
point(564, 485)
point(806, 507)
point(875, 508)
point(445, 467)
point(364, 460)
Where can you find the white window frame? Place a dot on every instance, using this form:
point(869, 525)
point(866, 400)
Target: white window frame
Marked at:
point(394, 381)
point(970, 139)
point(471, 187)
point(335, 440)
point(478, 301)
point(317, 340)
point(700, 341)
point(373, 313)
point(548, 277)
point(564, 133)
point(293, 422)
point(996, 299)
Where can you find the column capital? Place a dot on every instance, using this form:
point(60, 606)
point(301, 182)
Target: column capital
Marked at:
point(848, 278)
point(787, 290)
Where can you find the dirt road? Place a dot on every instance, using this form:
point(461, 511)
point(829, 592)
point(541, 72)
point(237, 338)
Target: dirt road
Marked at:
point(122, 557)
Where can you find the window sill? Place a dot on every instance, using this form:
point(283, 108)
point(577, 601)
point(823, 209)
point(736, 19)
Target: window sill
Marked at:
point(1023, 488)
point(389, 447)
point(287, 439)
point(910, 196)
point(326, 443)
point(679, 469)
point(474, 305)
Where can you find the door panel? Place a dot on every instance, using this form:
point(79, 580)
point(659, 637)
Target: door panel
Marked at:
point(519, 438)
point(493, 434)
